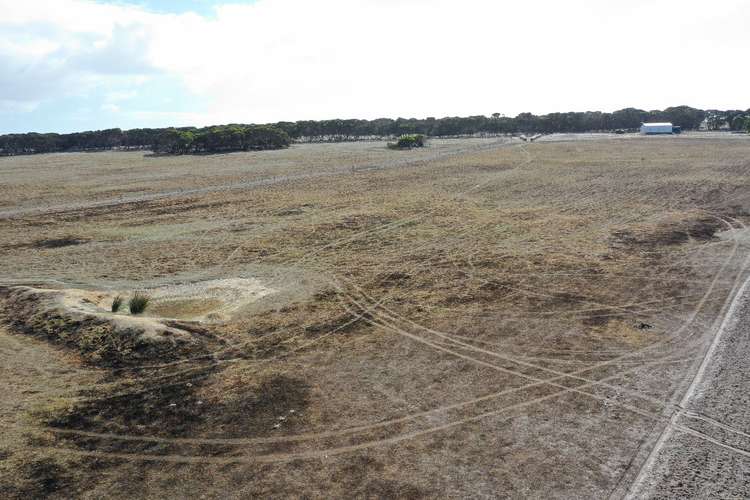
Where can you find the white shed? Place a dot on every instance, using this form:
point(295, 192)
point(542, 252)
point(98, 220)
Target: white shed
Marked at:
point(657, 128)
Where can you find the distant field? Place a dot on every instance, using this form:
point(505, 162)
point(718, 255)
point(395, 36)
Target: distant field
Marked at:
point(481, 317)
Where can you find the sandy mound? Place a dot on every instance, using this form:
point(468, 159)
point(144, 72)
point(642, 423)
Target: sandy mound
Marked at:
point(209, 300)
point(81, 320)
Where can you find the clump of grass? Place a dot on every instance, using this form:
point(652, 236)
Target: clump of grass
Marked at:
point(116, 303)
point(138, 302)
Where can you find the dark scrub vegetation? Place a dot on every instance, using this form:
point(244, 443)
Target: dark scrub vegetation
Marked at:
point(278, 135)
point(408, 141)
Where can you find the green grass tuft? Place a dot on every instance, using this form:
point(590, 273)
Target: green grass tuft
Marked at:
point(116, 303)
point(138, 303)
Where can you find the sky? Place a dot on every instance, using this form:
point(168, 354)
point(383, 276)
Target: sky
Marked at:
point(71, 65)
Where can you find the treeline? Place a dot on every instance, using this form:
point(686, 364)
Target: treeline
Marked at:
point(590, 121)
point(276, 135)
point(170, 140)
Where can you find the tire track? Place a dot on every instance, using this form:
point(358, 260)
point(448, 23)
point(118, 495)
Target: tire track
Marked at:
point(472, 417)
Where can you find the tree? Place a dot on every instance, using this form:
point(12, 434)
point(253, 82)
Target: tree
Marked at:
point(628, 118)
point(264, 137)
point(684, 116)
point(174, 141)
point(715, 120)
point(739, 122)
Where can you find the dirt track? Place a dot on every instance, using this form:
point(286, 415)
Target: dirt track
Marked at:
point(491, 321)
point(705, 449)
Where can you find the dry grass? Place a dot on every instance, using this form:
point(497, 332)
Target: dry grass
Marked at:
point(447, 285)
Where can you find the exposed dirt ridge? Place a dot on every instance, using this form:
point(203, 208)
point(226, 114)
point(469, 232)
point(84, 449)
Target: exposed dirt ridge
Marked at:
point(73, 318)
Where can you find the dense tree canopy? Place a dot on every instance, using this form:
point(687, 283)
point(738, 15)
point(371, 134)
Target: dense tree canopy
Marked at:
point(249, 137)
point(219, 139)
point(170, 140)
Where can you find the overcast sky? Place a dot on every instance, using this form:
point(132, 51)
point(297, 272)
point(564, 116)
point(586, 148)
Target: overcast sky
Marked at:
point(69, 65)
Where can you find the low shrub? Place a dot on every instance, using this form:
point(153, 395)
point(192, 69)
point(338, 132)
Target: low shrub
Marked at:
point(116, 303)
point(408, 141)
point(138, 302)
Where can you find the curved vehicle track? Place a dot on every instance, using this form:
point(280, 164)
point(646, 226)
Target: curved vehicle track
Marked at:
point(540, 375)
point(384, 319)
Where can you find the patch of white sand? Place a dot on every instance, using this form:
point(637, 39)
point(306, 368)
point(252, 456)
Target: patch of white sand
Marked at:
point(231, 293)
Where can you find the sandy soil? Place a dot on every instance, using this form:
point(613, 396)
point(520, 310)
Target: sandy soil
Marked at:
point(704, 452)
point(478, 319)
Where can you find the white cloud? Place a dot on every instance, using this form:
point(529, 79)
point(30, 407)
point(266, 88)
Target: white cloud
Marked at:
point(50, 50)
point(122, 95)
point(11, 106)
point(111, 108)
point(298, 59)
